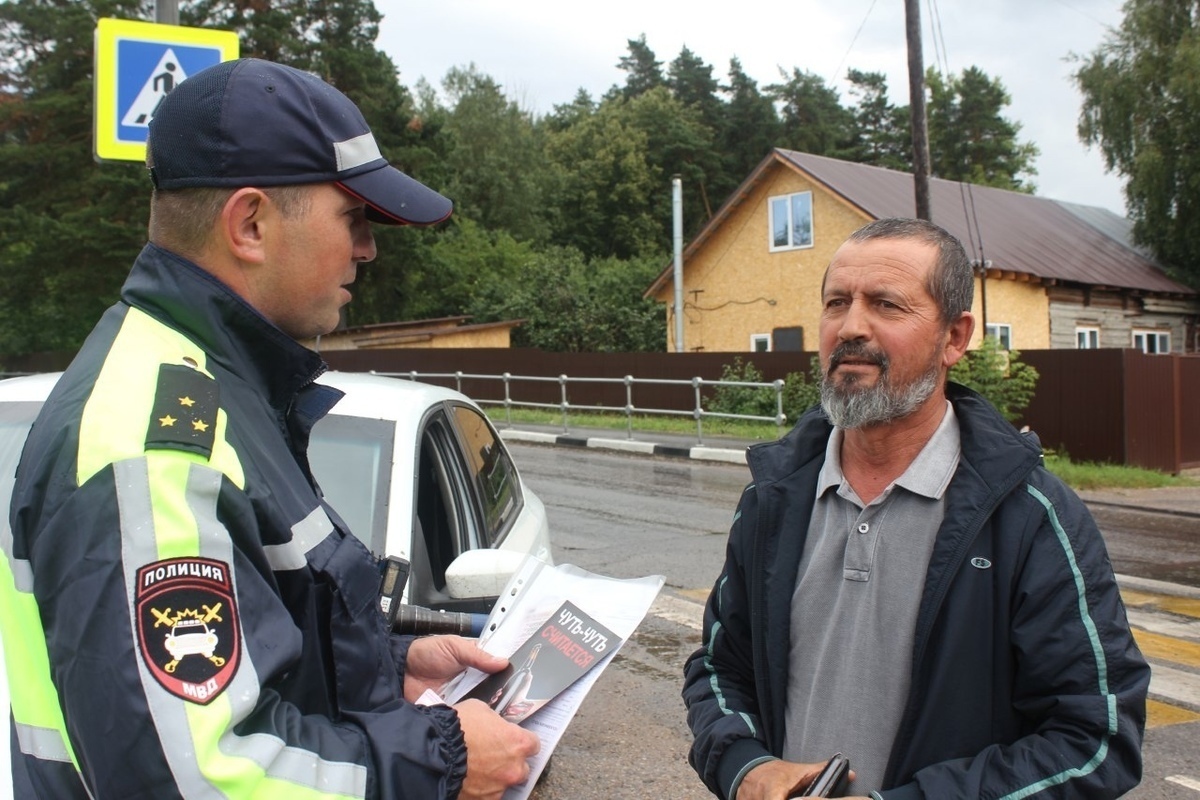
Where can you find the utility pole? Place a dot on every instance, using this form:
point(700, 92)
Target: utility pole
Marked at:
point(916, 102)
point(677, 242)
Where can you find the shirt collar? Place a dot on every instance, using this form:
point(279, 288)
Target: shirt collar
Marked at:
point(928, 475)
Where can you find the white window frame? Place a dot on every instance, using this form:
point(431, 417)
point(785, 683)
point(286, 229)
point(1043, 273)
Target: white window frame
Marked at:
point(790, 200)
point(1162, 341)
point(755, 338)
point(1087, 337)
point(1002, 331)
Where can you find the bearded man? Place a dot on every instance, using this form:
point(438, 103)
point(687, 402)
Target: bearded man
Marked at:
point(905, 583)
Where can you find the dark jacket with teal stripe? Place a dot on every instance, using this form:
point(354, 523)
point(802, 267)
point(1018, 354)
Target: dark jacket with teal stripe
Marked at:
point(312, 706)
point(1026, 681)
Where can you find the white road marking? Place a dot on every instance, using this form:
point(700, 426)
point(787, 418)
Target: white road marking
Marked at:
point(680, 611)
point(1175, 685)
point(1157, 622)
point(1185, 782)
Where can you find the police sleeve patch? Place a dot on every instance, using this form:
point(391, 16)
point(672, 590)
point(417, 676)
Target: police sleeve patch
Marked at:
point(185, 411)
point(188, 631)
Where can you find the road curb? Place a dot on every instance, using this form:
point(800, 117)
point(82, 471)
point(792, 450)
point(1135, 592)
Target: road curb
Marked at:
point(697, 452)
point(1175, 512)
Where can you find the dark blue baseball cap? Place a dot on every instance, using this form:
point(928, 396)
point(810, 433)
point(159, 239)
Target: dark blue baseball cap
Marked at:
point(256, 123)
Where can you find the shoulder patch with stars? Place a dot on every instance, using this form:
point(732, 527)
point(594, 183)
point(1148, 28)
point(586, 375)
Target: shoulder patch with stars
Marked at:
point(185, 411)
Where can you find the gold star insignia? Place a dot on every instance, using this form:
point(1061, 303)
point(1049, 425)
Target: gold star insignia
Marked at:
point(166, 421)
point(187, 401)
point(200, 425)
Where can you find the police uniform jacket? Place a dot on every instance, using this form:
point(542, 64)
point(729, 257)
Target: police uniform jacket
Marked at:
point(1026, 682)
point(184, 615)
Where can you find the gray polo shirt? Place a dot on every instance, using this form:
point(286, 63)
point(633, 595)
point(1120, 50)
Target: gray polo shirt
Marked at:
point(854, 610)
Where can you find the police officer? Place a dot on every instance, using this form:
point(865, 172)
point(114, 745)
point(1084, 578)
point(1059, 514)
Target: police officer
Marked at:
point(185, 616)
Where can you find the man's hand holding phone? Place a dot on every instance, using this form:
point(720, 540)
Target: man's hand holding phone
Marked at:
point(779, 779)
point(830, 781)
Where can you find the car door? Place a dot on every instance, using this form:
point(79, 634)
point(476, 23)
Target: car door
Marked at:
point(467, 497)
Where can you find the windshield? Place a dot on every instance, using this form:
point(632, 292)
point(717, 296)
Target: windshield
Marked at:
point(351, 458)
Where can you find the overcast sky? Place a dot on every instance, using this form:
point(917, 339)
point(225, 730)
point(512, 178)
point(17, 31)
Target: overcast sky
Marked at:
point(543, 52)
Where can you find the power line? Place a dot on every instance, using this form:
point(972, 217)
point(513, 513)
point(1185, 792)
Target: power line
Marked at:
point(837, 72)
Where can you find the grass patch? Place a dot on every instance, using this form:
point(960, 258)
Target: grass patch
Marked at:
point(1093, 475)
point(652, 423)
point(1078, 475)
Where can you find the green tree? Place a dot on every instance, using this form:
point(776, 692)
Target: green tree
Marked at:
point(570, 304)
point(814, 120)
point(999, 375)
point(883, 130)
point(69, 227)
point(565, 115)
point(494, 157)
point(1141, 106)
point(603, 184)
point(472, 271)
point(970, 139)
point(643, 71)
point(677, 143)
point(692, 84)
point(751, 127)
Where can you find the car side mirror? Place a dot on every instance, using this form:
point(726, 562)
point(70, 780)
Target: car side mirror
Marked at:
point(481, 573)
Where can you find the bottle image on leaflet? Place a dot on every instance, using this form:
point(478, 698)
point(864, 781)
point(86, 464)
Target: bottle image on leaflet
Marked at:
point(509, 699)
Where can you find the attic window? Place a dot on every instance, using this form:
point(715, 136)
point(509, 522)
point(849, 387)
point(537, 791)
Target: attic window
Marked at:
point(791, 222)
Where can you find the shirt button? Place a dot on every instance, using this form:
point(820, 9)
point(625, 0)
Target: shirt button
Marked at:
point(864, 527)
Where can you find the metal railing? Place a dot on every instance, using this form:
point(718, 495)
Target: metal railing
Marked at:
point(630, 409)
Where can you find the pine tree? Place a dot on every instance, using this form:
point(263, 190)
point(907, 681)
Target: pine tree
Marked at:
point(69, 227)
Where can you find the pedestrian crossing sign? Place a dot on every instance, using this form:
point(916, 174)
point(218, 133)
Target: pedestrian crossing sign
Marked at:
point(137, 65)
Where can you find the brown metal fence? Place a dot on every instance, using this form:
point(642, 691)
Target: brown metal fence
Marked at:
point(1118, 406)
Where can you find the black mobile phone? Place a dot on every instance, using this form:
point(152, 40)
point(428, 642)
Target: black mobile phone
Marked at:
point(832, 778)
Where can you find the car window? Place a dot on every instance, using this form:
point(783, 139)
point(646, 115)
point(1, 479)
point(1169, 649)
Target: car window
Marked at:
point(491, 472)
point(446, 515)
point(351, 459)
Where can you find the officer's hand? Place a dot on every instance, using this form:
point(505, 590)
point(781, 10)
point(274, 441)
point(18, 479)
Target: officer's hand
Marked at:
point(496, 751)
point(433, 660)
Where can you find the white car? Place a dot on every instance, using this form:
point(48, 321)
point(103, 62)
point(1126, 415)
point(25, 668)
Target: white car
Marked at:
point(417, 471)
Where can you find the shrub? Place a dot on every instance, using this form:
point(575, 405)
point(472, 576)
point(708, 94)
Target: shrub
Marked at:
point(999, 375)
point(754, 400)
point(800, 391)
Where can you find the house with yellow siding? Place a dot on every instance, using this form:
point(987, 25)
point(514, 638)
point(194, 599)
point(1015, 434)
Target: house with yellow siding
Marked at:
point(441, 333)
point(1048, 274)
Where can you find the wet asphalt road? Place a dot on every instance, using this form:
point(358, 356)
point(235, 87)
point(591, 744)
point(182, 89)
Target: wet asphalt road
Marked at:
point(628, 516)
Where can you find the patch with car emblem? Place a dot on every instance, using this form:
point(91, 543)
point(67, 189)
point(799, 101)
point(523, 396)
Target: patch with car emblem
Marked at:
point(188, 627)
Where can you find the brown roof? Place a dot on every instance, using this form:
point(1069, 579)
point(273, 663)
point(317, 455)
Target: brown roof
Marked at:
point(1018, 232)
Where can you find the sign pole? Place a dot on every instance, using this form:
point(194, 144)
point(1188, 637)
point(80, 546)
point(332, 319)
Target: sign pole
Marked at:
point(166, 12)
